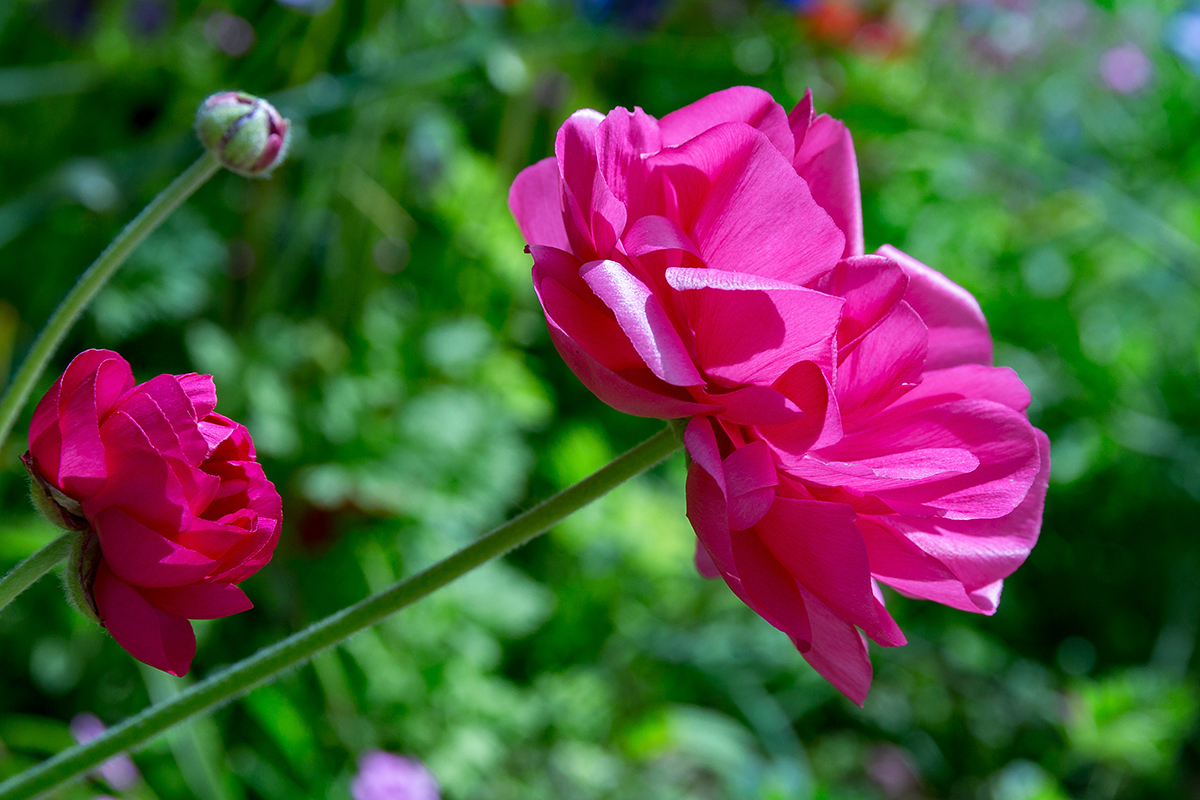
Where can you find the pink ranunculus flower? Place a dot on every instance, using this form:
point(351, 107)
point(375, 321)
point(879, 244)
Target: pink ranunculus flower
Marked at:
point(935, 486)
point(174, 508)
point(678, 260)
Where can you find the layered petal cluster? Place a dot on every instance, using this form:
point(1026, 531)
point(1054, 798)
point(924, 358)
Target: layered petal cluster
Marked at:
point(178, 505)
point(847, 427)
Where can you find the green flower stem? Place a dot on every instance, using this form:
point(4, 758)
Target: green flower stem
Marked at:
point(25, 574)
point(270, 662)
point(92, 281)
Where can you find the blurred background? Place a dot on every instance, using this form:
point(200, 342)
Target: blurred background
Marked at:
point(368, 313)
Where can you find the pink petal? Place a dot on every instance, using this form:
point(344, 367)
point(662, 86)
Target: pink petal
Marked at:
point(90, 386)
point(753, 405)
point(643, 319)
point(871, 287)
point(981, 552)
point(750, 481)
point(143, 557)
point(244, 484)
point(596, 219)
point(826, 161)
point(201, 391)
point(141, 480)
point(1002, 439)
point(177, 406)
point(720, 179)
point(154, 637)
point(887, 363)
point(45, 442)
point(879, 474)
point(744, 104)
point(838, 651)
point(807, 387)
point(820, 546)
point(620, 390)
point(707, 512)
point(572, 306)
point(773, 591)
point(968, 381)
point(653, 233)
point(704, 562)
point(535, 202)
point(204, 600)
point(800, 118)
point(621, 140)
point(249, 555)
point(958, 331)
point(748, 335)
point(907, 568)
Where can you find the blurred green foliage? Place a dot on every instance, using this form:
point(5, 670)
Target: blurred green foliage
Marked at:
point(367, 312)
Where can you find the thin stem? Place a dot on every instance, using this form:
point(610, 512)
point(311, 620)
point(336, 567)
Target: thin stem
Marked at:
point(268, 663)
point(25, 574)
point(91, 281)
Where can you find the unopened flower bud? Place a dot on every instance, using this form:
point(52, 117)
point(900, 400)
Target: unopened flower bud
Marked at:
point(244, 132)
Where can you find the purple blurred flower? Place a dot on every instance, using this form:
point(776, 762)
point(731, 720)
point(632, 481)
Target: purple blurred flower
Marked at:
point(387, 776)
point(1125, 69)
point(119, 771)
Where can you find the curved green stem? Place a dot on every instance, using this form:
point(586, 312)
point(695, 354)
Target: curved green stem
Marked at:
point(268, 663)
point(25, 574)
point(92, 281)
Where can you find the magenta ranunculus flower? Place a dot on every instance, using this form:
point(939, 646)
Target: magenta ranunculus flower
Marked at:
point(387, 776)
point(677, 260)
point(174, 509)
point(847, 425)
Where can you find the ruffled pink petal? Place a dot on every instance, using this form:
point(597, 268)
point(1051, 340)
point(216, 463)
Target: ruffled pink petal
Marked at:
point(982, 552)
point(820, 546)
point(595, 218)
point(871, 287)
point(750, 481)
point(621, 140)
point(827, 162)
point(249, 555)
point(968, 381)
point(720, 178)
point(45, 442)
point(808, 388)
point(754, 336)
point(744, 104)
point(143, 557)
point(142, 481)
point(896, 471)
point(838, 651)
point(800, 118)
point(535, 202)
point(1001, 439)
point(653, 233)
point(204, 600)
point(958, 331)
point(243, 484)
point(707, 512)
point(621, 392)
point(887, 363)
point(227, 440)
point(91, 384)
point(174, 438)
point(177, 409)
point(574, 308)
point(904, 566)
point(201, 391)
point(752, 405)
point(154, 637)
point(773, 591)
point(644, 320)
